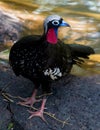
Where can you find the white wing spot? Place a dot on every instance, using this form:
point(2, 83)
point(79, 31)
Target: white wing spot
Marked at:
point(22, 62)
point(54, 74)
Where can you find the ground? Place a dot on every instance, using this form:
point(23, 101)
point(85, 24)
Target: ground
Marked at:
point(74, 99)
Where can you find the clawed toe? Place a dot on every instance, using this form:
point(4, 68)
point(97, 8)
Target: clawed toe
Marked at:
point(29, 101)
point(38, 113)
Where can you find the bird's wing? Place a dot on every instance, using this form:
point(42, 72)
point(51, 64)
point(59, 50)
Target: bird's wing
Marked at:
point(80, 51)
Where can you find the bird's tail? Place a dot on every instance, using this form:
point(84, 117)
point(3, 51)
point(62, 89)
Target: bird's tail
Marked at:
point(80, 52)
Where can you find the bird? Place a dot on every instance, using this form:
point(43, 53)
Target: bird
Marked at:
point(44, 59)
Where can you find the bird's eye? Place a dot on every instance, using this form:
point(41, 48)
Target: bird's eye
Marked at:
point(55, 23)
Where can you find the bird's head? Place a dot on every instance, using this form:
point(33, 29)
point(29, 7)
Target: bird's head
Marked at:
point(51, 25)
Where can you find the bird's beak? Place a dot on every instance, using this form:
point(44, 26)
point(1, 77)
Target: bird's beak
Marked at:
point(64, 24)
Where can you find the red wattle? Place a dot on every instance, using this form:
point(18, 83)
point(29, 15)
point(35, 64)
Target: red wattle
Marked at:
point(51, 36)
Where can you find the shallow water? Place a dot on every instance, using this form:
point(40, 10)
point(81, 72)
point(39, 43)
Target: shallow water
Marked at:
point(82, 15)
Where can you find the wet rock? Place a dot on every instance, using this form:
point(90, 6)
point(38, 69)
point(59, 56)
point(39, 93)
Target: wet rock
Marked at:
point(10, 27)
point(5, 115)
point(74, 98)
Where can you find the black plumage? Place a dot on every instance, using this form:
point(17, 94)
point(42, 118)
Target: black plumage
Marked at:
point(45, 58)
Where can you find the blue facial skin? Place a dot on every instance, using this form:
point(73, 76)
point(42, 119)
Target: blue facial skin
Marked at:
point(63, 24)
point(56, 31)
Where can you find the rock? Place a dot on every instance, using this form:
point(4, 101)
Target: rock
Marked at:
point(74, 98)
point(10, 27)
point(5, 116)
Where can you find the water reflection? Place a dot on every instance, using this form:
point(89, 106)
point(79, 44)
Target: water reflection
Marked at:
point(90, 4)
point(57, 2)
point(82, 15)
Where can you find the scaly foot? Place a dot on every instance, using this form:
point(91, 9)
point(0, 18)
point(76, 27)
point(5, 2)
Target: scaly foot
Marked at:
point(31, 100)
point(39, 113)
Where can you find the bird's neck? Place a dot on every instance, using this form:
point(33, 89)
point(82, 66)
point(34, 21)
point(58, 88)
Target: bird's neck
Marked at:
point(51, 35)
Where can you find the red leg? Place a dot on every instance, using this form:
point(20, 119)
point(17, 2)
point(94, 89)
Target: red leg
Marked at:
point(39, 113)
point(30, 100)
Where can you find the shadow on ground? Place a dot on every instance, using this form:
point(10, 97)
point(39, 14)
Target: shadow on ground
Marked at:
point(74, 99)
